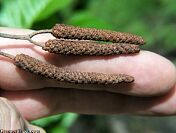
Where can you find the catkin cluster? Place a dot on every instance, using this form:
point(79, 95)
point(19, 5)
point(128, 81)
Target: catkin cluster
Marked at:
point(86, 41)
point(72, 40)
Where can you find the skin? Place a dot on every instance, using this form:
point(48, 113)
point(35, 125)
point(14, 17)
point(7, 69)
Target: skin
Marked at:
point(152, 93)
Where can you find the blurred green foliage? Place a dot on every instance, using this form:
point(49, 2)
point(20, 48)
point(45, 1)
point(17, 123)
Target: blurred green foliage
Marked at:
point(155, 20)
point(23, 13)
point(56, 123)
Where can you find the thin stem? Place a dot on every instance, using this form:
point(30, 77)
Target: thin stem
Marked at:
point(39, 32)
point(7, 55)
point(26, 37)
point(21, 37)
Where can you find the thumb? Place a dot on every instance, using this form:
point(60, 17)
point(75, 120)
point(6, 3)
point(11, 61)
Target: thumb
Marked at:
point(11, 120)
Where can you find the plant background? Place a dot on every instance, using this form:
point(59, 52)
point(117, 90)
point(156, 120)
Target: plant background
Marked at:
point(155, 20)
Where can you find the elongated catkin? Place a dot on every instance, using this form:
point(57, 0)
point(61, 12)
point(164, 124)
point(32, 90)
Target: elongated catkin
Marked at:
point(38, 67)
point(67, 47)
point(72, 32)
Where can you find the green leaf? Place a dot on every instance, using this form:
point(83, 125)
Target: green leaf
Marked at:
point(57, 123)
point(85, 19)
point(23, 13)
point(68, 119)
point(58, 130)
point(63, 126)
point(53, 6)
point(44, 122)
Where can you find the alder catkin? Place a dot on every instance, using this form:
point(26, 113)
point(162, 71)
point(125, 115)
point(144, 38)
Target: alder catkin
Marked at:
point(72, 32)
point(38, 67)
point(67, 47)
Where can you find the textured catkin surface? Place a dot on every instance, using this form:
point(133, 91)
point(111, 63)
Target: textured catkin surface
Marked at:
point(67, 47)
point(71, 32)
point(37, 67)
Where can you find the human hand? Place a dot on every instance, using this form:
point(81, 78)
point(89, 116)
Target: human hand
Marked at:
point(152, 93)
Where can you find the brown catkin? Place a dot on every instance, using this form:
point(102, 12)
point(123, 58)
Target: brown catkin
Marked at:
point(68, 47)
point(38, 67)
point(72, 32)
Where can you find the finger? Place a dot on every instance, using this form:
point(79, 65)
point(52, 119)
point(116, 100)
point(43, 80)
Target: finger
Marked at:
point(148, 81)
point(53, 101)
point(11, 120)
point(10, 117)
point(165, 105)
